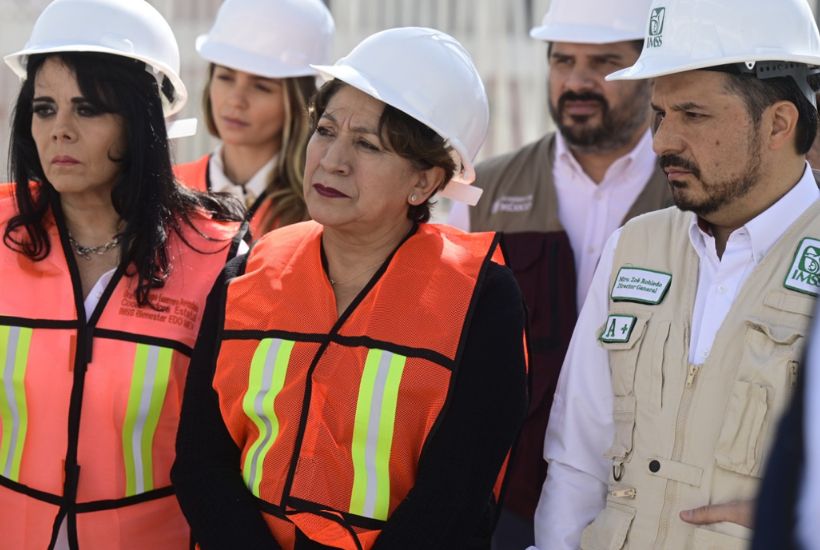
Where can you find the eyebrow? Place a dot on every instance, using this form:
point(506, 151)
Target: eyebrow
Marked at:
point(357, 129)
point(687, 106)
point(49, 99)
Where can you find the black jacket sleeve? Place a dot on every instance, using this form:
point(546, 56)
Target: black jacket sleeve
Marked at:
point(450, 504)
point(219, 507)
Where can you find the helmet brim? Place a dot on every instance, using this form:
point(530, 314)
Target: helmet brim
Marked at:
point(652, 67)
point(247, 61)
point(584, 34)
point(17, 62)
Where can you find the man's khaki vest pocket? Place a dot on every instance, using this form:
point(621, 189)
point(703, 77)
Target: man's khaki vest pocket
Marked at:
point(610, 528)
point(738, 448)
point(626, 353)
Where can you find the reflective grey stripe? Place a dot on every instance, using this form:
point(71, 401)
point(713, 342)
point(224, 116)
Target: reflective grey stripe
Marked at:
point(259, 409)
point(8, 386)
point(144, 410)
point(373, 433)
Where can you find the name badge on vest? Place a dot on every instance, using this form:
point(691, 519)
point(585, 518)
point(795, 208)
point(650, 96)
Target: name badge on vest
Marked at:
point(804, 273)
point(513, 204)
point(643, 286)
point(618, 329)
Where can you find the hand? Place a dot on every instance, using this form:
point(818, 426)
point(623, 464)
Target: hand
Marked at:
point(740, 512)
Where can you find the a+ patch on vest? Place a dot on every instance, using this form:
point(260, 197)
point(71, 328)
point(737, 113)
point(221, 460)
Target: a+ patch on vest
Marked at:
point(644, 286)
point(618, 329)
point(804, 273)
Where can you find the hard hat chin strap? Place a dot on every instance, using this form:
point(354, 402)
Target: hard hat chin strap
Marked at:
point(801, 73)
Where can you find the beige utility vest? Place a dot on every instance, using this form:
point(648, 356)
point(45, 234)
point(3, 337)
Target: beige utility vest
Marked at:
point(688, 435)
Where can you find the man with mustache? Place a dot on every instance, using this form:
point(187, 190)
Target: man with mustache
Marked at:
point(557, 200)
point(689, 343)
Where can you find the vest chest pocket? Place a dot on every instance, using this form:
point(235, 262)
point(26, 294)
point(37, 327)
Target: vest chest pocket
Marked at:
point(759, 394)
point(624, 348)
point(610, 528)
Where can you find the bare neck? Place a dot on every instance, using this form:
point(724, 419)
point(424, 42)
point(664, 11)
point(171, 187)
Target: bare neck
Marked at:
point(92, 222)
point(595, 164)
point(354, 256)
point(241, 163)
point(90, 217)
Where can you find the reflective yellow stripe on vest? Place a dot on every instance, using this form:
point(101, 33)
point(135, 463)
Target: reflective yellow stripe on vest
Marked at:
point(14, 346)
point(373, 433)
point(267, 377)
point(149, 383)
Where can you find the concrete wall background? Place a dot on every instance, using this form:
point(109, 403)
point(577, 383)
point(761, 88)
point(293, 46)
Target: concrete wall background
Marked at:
point(494, 31)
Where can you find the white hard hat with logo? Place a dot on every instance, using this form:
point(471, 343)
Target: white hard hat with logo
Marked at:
point(270, 38)
point(127, 28)
point(593, 21)
point(430, 76)
point(767, 38)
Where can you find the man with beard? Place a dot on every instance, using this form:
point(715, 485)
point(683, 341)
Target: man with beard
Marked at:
point(558, 199)
point(689, 343)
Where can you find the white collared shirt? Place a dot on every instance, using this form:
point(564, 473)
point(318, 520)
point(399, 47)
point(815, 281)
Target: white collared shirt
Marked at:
point(581, 428)
point(589, 211)
point(221, 184)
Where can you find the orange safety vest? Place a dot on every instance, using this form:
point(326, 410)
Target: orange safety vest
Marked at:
point(195, 176)
point(332, 413)
point(89, 407)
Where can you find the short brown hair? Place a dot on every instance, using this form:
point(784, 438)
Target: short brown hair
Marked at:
point(403, 135)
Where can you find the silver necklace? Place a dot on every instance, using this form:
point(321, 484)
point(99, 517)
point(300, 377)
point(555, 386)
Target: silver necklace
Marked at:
point(85, 252)
point(334, 283)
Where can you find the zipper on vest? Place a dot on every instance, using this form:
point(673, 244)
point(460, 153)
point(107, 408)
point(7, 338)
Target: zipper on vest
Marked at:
point(693, 372)
point(794, 367)
point(677, 451)
point(623, 492)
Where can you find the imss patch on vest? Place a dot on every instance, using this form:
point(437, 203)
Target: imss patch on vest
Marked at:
point(804, 273)
point(644, 286)
point(618, 329)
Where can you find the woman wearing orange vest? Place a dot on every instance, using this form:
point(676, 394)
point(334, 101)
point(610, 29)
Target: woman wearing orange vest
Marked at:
point(359, 379)
point(255, 102)
point(106, 262)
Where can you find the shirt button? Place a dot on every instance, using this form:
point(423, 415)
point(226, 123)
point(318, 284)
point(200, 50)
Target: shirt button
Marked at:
point(598, 195)
point(590, 250)
point(654, 466)
point(721, 289)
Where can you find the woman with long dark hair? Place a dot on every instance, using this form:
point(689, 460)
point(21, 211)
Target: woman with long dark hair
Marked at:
point(255, 102)
point(106, 262)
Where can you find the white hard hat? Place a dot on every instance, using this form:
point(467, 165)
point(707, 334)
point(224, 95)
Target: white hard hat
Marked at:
point(686, 35)
point(127, 28)
point(430, 76)
point(270, 38)
point(593, 21)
